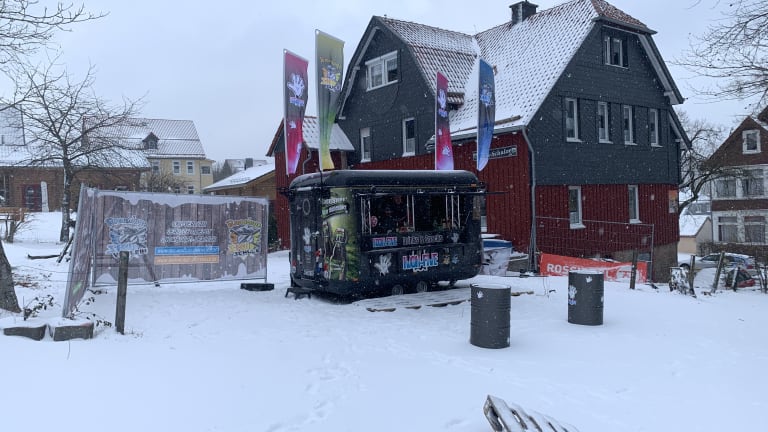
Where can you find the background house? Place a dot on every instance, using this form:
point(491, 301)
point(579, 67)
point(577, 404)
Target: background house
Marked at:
point(585, 157)
point(696, 227)
point(740, 202)
point(173, 149)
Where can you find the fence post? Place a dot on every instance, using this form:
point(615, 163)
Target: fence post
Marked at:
point(122, 288)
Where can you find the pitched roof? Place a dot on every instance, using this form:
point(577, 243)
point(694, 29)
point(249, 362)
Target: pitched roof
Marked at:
point(176, 138)
point(242, 178)
point(526, 59)
point(311, 132)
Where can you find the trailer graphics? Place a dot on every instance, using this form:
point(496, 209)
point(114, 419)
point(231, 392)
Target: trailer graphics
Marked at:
point(362, 233)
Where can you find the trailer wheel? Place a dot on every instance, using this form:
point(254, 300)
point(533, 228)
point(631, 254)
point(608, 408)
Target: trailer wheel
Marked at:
point(422, 286)
point(398, 289)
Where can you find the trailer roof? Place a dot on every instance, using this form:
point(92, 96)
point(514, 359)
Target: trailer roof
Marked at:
point(396, 178)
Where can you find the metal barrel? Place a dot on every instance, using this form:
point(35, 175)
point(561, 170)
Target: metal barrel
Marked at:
point(585, 297)
point(490, 315)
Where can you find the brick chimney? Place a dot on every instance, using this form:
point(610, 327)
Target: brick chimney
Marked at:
point(522, 10)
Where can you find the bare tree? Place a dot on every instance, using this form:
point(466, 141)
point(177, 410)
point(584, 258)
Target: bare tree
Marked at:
point(162, 182)
point(25, 26)
point(698, 169)
point(734, 51)
point(67, 125)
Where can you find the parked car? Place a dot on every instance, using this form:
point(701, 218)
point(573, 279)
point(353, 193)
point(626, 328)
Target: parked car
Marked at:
point(730, 260)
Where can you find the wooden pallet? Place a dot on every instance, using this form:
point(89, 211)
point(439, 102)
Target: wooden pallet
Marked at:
point(415, 301)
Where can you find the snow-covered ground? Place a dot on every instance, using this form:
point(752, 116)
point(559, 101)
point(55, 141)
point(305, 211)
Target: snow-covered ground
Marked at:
point(210, 356)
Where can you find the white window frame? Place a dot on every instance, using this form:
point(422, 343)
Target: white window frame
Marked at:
point(754, 180)
point(634, 204)
point(572, 114)
point(176, 167)
point(191, 189)
point(628, 124)
point(205, 169)
point(603, 122)
point(745, 135)
point(653, 127)
point(155, 167)
point(609, 48)
point(732, 223)
point(719, 187)
point(578, 221)
point(190, 167)
point(365, 145)
point(380, 67)
point(406, 150)
point(754, 220)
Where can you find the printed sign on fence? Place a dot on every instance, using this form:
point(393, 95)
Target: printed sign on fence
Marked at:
point(557, 265)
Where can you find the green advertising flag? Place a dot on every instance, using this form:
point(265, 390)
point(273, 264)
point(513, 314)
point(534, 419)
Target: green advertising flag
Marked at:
point(329, 53)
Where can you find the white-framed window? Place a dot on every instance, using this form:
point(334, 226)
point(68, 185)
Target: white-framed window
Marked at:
point(190, 189)
point(634, 204)
point(752, 183)
point(615, 51)
point(725, 187)
point(628, 126)
point(205, 169)
point(409, 136)
point(603, 122)
point(574, 206)
point(155, 167)
point(382, 71)
point(754, 229)
point(653, 127)
point(177, 189)
point(176, 167)
point(751, 142)
point(727, 229)
point(190, 167)
point(571, 119)
point(365, 144)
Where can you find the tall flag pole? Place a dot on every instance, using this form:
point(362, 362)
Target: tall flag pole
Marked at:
point(443, 148)
point(329, 53)
point(486, 113)
point(295, 103)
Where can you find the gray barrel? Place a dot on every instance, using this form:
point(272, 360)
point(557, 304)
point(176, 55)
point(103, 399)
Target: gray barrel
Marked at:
point(490, 315)
point(585, 297)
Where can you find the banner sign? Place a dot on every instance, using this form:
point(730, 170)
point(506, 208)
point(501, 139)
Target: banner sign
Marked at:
point(329, 53)
point(557, 265)
point(486, 113)
point(443, 148)
point(170, 237)
point(295, 104)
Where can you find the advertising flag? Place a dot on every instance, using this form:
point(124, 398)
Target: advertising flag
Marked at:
point(443, 148)
point(295, 103)
point(329, 53)
point(486, 113)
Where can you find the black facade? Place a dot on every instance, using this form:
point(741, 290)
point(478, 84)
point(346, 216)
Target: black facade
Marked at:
point(383, 109)
point(589, 80)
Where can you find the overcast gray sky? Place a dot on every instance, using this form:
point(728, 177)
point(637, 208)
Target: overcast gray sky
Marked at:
point(220, 63)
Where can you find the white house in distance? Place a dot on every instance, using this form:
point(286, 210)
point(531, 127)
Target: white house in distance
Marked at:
point(695, 226)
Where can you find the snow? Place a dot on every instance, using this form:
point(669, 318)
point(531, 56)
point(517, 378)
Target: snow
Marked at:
point(213, 357)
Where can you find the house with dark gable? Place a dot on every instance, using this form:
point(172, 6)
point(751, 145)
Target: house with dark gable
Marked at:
point(585, 155)
point(740, 202)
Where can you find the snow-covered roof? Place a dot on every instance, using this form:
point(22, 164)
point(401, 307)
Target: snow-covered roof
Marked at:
point(242, 178)
point(311, 133)
point(528, 57)
point(176, 138)
point(690, 225)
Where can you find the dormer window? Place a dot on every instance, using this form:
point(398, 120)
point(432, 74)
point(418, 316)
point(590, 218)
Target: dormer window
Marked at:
point(150, 142)
point(615, 51)
point(382, 71)
point(751, 142)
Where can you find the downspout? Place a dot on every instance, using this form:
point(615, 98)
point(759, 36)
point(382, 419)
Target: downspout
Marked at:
point(532, 261)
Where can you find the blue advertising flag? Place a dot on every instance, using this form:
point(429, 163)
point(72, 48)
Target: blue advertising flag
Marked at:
point(486, 113)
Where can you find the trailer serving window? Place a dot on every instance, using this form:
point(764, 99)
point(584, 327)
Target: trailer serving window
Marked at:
point(395, 212)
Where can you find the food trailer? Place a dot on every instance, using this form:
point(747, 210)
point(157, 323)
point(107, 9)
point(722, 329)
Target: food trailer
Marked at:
point(378, 232)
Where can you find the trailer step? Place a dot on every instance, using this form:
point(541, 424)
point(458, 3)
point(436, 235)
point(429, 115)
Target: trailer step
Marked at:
point(444, 298)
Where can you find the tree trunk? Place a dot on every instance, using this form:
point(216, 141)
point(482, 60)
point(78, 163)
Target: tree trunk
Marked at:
point(65, 203)
point(8, 300)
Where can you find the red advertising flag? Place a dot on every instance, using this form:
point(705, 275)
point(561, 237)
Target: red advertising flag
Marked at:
point(443, 148)
point(295, 103)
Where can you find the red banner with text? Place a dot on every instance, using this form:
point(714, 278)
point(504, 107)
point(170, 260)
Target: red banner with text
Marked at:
point(557, 265)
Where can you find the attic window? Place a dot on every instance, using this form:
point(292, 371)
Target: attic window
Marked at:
point(615, 51)
point(150, 142)
point(751, 142)
point(382, 71)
